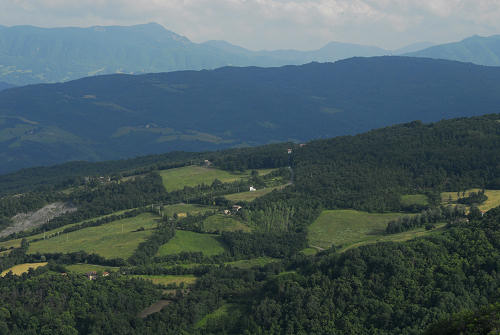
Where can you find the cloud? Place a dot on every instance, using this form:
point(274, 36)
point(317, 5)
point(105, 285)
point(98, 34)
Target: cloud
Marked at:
point(274, 23)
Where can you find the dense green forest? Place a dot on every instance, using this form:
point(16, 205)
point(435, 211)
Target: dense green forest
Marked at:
point(253, 271)
point(122, 116)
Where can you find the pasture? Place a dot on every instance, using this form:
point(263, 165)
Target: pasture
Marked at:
point(250, 263)
point(190, 241)
point(221, 222)
point(414, 199)
point(117, 239)
point(22, 268)
point(178, 178)
point(191, 209)
point(346, 227)
point(84, 268)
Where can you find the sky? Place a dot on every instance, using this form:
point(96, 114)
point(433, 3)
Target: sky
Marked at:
point(275, 24)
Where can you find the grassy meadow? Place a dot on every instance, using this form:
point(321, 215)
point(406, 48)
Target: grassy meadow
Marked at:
point(22, 268)
point(168, 279)
point(414, 199)
point(184, 240)
point(111, 240)
point(84, 268)
point(221, 222)
point(176, 179)
point(250, 263)
point(191, 209)
point(345, 227)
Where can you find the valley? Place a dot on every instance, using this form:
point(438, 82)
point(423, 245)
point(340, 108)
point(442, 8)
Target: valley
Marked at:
point(182, 235)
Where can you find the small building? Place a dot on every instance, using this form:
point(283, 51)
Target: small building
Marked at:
point(92, 275)
point(207, 162)
point(252, 189)
point(289, 151)
point(227, 212)
point(236, 208)
point(105, 274)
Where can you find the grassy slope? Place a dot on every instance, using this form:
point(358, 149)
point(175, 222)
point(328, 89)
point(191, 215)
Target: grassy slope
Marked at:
point(22, 268)
point(221, 222)
point(414, 199)
point(250, 196)
point(16, 243)
point(84, 268)
point(344, 227)
point(176, 179)
point(492, 202)
point(192, 209)
point(250, 263)
point(107, 240)
point(194, 242)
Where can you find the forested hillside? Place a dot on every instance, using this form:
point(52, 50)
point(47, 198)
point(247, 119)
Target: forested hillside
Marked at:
point(179, 243)
point(122, 116)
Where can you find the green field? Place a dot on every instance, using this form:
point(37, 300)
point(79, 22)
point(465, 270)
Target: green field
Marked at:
point(16, 243)
point(193, 242)
point(176, 179)
point(222, 222)
point(22, 268)
point(414, 199)
point(168, 279)
point(84, 268)
point(250, 263)
point(190, 209)
point(250, 196)
point(345, 227)
point(116, 239)
point(492, 202)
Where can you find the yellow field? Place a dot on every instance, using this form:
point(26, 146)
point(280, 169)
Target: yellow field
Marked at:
point(492, 202)
point(22, 268)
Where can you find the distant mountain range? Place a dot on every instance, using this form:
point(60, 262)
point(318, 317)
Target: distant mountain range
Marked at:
point(4, 86)
point(117, 116)
point(40, 55)
point(475, 49)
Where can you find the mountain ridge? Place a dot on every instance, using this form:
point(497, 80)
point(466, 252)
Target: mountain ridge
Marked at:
point(120, 116)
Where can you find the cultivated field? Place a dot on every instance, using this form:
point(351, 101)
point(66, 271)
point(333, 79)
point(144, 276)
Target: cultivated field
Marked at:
point(22, 268)
point(346, 227)
point(194, 242)
point(111, 240)
point(176, 179)
point(492, 202)
point(221, 222)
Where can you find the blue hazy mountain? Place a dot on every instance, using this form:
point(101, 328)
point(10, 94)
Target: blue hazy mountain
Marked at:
point(4, 86)
point(118, 116)
point(36, 55)
point(475, 49)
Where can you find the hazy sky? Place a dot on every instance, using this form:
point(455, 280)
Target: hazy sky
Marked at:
point(272, 24)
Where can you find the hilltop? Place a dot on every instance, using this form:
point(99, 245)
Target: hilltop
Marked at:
point(121, 116)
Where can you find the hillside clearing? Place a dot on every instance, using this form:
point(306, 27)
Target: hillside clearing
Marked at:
point(250, 263)
point(250, 196)
point(189, 241)
point(414, 199)
point(168, 279)
point(346, 227)
point(84, 268)
point(221, 222)
point(178, 178)
point(117, 239)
